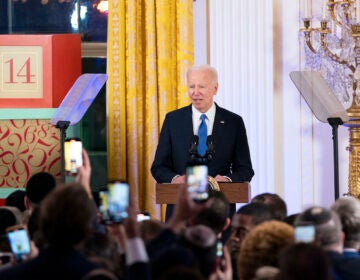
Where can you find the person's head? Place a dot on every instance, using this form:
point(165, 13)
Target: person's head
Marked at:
point(9, 216)
point(101, 249)
point(202, 241)
point(348, 209)
point(261, 247)
point(149, 229)
point(38, 187)
point(16, 199)
point(328, 229)
point(216, 216)
point(304, 261)
point(275, 202)
point(67, 216)
point(172, 257)
point(244, 220)
point(202, 84)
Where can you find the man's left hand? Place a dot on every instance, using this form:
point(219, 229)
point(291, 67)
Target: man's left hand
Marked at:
point(220, 178)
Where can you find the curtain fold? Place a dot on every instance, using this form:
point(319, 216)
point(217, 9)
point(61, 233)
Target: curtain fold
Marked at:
point(150, 46)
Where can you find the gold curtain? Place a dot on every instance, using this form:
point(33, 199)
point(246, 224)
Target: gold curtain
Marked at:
point(150, 47)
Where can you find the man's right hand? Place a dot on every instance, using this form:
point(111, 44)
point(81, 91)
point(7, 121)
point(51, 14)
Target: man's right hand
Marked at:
point(178, 180)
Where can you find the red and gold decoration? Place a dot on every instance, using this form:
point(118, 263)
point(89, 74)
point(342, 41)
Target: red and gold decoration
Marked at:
point(27, 147)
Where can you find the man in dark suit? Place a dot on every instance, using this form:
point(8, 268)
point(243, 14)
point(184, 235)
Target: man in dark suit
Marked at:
point(227, 156)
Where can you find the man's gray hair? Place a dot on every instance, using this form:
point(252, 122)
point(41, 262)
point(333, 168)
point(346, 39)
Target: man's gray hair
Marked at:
point(348, 209)
point(204, 67)
point(327, 224)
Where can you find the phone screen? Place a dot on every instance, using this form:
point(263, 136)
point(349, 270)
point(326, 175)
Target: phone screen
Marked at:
point(197, 182)
point(143, 216)
point(304, 234)
point(113, 202)
point(219, 254)
point(72, 154)
point(19, 242)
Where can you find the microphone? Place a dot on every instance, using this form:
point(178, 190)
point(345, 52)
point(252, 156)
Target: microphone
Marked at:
point(193, 147)
point(210, 148)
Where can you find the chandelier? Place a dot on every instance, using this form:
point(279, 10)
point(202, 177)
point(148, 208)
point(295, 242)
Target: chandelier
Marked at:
point(331, 44)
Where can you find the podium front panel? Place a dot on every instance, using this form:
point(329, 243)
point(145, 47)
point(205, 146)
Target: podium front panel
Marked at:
point(235, 192)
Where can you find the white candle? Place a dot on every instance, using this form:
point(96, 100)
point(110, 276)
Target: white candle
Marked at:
point(357, 11)
point(324, 8)
point(306, 11)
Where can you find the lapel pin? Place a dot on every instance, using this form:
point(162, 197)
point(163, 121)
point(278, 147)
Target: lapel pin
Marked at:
point(222, 122)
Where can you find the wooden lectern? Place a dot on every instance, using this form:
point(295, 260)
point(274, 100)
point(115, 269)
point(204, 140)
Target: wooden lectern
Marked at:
point(235, 192)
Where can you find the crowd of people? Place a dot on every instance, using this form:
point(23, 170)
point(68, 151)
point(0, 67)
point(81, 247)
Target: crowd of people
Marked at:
point(68, 241)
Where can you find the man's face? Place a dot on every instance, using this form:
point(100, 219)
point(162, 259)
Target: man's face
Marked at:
point(201, 89)
point(241, 224)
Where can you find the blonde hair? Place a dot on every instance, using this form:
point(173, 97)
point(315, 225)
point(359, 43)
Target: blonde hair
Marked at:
point(261, 247)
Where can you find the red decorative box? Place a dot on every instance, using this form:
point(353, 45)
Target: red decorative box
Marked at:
point(37, 71)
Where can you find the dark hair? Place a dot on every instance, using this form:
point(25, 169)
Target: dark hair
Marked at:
point(39, 185)
point(259, 212)
point(67, 216)
point(303, 261)
point(16, 199)
point(216, 214)
point(275, 202)
point(290, 219)
point(9, 216)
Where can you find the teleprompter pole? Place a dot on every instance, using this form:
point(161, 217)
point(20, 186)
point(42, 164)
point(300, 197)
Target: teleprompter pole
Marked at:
point(62, 125)
point(335, 122)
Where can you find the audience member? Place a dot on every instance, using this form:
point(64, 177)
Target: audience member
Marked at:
point(275, 202)
point(329, 237)
point(37, 188)
point(304, 261)
point(180, 272)
point(149, 229)
point(216, 215)
point(67, 217)
point(100, 274)
point(290, 219)
point(245, 219)
point(9, 216)
point(16, 199)
point(261, 247)
point(102, 250)
point(348, 209)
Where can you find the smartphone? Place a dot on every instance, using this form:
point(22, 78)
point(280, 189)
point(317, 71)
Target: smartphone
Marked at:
point(113, 202)
point(197, 182)
point(19, 240)
point(143, 216)
point(219, 254)
point(305, 233)
point(73, 154)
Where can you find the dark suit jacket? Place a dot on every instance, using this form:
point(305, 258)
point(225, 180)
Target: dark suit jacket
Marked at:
point(232, 155)
point(344, 268)
point(50, 264)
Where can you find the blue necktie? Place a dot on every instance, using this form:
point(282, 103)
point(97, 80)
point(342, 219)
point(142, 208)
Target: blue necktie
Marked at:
point(202, 133)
